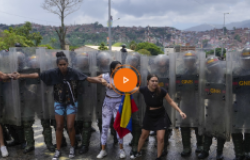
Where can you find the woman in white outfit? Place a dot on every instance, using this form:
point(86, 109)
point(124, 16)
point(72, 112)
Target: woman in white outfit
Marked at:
point(109, 109)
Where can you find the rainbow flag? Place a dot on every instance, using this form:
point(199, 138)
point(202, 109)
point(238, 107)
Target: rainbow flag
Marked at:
point(123, 120)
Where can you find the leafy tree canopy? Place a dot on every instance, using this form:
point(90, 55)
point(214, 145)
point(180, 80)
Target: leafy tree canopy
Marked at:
point(152, 48)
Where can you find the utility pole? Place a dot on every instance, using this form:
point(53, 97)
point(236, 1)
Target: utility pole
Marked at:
point(223, 33)
point(110, 39)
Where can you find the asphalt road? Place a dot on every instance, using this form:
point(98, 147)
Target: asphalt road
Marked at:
point(149, 150)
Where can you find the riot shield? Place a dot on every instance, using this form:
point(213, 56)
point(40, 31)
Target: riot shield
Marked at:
point(240, 119)
point(30, 90)
point(214, 99)
point(187, 87)
point(10, 89)
point(103, 61)
point(87, 96)
point(140, 63)
point(47, 59)
point(161, 66)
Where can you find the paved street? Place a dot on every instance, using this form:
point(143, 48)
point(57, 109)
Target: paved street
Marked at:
point(149, 150)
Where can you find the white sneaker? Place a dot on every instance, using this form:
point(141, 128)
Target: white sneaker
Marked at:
point(102, 154)
point(122, 153)
point(4, 151)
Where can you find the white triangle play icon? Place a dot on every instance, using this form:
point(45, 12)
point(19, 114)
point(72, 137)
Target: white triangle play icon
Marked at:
point(125, 80)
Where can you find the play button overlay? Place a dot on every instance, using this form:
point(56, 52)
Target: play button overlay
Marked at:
point(126, 78)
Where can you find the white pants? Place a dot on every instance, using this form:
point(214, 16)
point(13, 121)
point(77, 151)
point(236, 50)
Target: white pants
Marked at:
point(109, 110)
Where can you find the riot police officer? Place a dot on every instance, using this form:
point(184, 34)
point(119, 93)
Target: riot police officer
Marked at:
point(240, 111)
point(187, 97)
point(85, 101)
point(215, 121)
point(17, 132)
point(30, 94)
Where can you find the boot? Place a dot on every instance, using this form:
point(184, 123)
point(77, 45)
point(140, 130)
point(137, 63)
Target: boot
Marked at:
point(247, 146)
point(220, 146)
point(17, 132)
point(238, 146)
point(6, 134)
point(29, 135)
point(86, 135)
point(199, 140)
point(47, 135)
point(185, 134)
point(206, 147)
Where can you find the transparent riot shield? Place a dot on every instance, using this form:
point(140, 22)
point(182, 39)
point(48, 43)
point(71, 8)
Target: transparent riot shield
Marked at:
point(47, 59)
point(213, 98)
point(160, 66)
point(187, 87)
point(103, 61)
point(240, 66)
point(11, 92)
point(140, 63)
point(30, 89)
point(86, 63)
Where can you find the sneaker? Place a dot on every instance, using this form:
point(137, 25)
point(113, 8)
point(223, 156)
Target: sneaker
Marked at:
point(102, 154)
point(57, 155)
point(135, 155)
point(71, 152)
point(4, 151)
point(122, 153)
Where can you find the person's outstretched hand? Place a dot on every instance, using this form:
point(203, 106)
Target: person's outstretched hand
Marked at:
point(15, 75)
point(183, 115)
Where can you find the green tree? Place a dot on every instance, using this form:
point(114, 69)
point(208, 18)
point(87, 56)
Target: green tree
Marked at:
point(144, 52)
point(152, 48)
point(52, 41)
point(217, 52)
point(102, 47)
point(9, 39)
point(25, 31)
point(46, 45)
point(36, 37)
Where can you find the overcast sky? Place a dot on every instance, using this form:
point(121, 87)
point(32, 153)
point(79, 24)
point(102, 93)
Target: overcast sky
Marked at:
point(181, 14)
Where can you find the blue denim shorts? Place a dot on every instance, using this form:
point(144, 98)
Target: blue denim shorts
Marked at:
point(62, 109)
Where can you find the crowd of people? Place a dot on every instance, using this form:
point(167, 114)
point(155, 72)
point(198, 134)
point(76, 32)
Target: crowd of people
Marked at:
point(211, 95)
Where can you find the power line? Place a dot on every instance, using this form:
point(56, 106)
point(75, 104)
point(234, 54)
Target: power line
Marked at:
point(24, 17)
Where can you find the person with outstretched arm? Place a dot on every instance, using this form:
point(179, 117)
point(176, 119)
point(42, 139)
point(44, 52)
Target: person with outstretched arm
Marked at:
point(65, 81)
point(155, 118)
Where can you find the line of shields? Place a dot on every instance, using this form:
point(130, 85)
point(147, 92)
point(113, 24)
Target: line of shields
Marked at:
point(213, 93)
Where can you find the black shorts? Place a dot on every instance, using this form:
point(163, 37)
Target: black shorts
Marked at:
point(156, 120)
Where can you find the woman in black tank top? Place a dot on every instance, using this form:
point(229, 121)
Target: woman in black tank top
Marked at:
point(156, 117)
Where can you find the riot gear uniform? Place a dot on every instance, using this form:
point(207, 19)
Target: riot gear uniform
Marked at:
point(215, 113)
point(187, 79)
point(86, 97)
point(240, 109)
